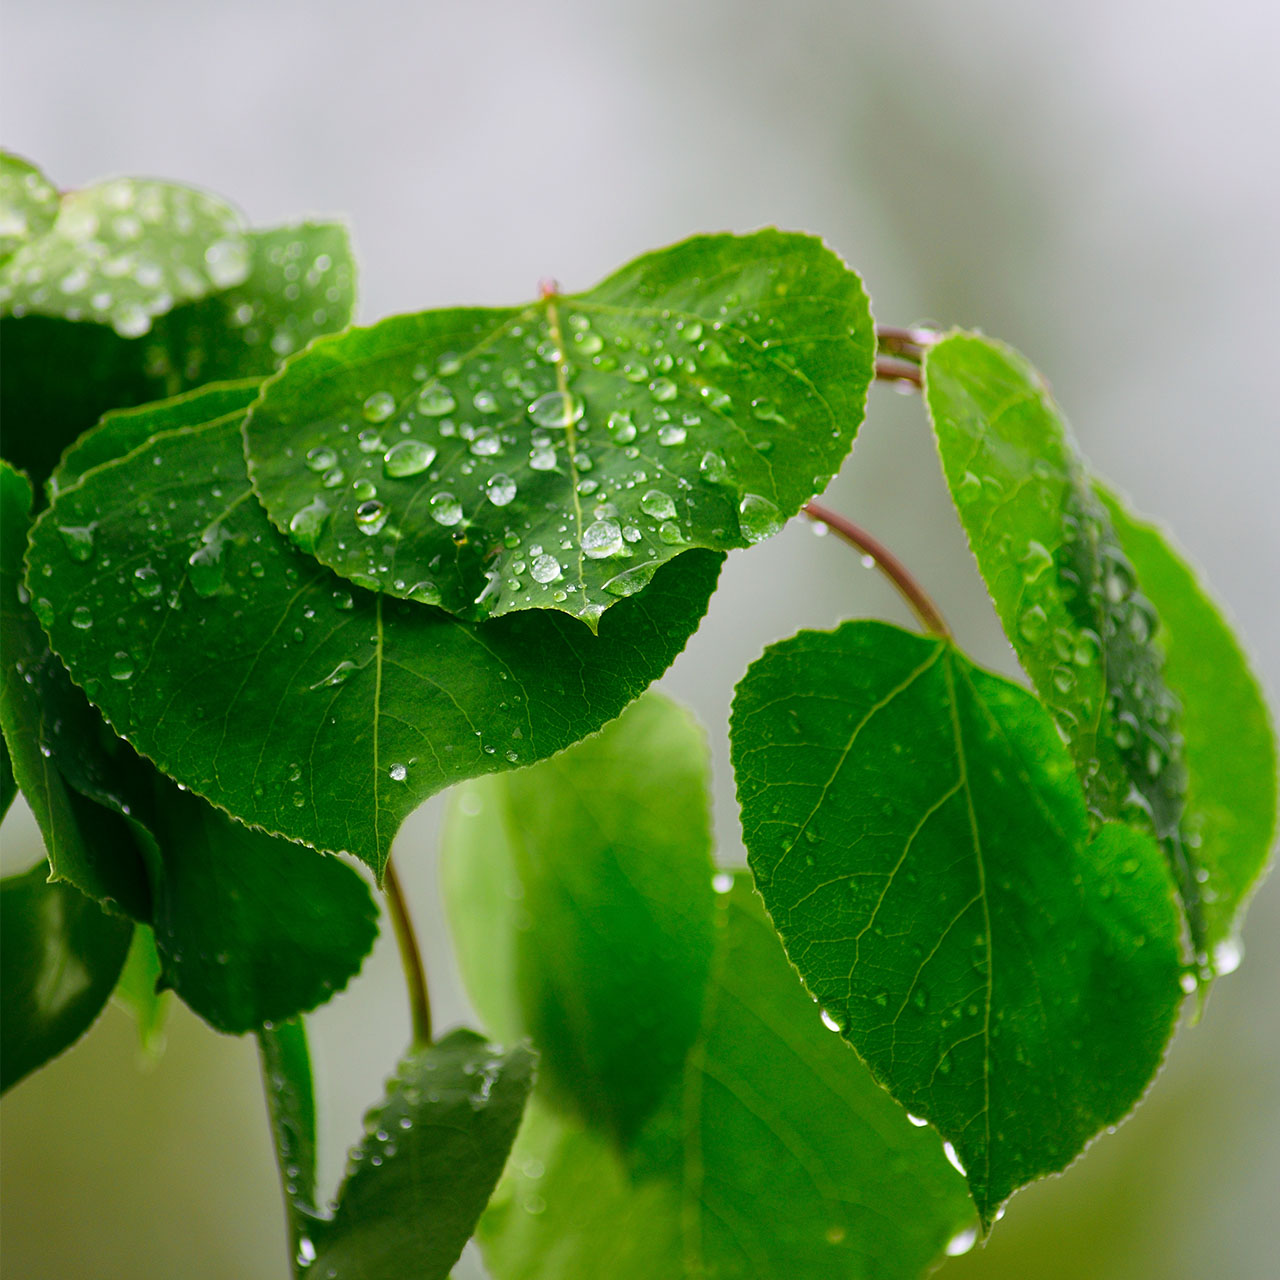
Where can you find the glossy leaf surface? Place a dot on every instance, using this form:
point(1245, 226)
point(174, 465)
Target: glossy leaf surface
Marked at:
point(28, 203)
point(417, 1183)
point(609, 848)
point(61, 955)
point(922, 845)
point(1230, 750)
point(771, 1150)
point(240, 332)
point(320, 712)
point(555, 455)
point(137, 992)
point(124, 251)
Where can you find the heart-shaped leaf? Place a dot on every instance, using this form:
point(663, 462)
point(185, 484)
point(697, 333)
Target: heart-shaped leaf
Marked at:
point(61, 955)
point(581, 897)
point(922, 845)
point(28, 203)
point(417, 1183)
point(555, 455)
point(1230, 750)
point(1066, 593)
point(253, 676)
point(124, 251)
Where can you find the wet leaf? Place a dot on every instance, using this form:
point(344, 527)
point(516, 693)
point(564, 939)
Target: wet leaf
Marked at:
point(554, 455)
point(1066, 593)
point(138, 994)
point(313, 710)
point(61, 955)
point(418, 1181)
point(607, 849)
point(245, 331)
point(28, 203)
point(922, 845)
point(771, 1150)
point(1230, 748)
point(124, 251)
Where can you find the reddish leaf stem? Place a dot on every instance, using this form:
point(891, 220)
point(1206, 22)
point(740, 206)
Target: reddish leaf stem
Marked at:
point(410, 958)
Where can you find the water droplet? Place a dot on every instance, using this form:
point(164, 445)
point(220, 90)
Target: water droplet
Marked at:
point(829, 1022)
point(379, 406)
point(448, 363)
point(500, 489)
point(671, 434)
point(129, 320)
point(758, 518)
point(601, 539)
point(308, 522)
point(950, 1152)
point(918, 1121)
point(962, 1241)
point(146, 583)
point(445, 509)
point(657, 504)
point(633, 580)
point(397, 773)
point(121, 666)
point(545, 568)
point(765, 410)
point(670, 533)
point(227, 262)
point(621, 427)
point(81, 617)
point(557, 409)
point(435, 400)
point(369, 442)
point(969, 489)
point(1227, 955)
point(339, 675)
point(1033, 624)
point(1035, 562)
point(424, 593)
point(714, 470)
point(663, 389)
point(206, 566)
point(78, 540)
point(333, 477)
point(321, 458)
point(371, 516)
point(408, 458)
point(43, 609)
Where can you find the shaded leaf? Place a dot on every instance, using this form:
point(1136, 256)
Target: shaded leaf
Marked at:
point(61, 955)
point(771, 1150)
point(417, 1183)
point(1230, 750)
point(606, 848)
point(124, 251)
point(263, 683)
point(554, 455)
point(923, 848)
point(8, 784)
point(1065, 591)
point(244, 331)
point(28, 203)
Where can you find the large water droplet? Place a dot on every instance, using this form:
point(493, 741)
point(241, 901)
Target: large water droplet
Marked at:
point(621, 427)
point(424, 593)
point(308, 522)
point(206, 566)
point(398, 773)
point(146, 583)
point(371, 516)
point(500, 489)
point(671, 433)
point(435, 400)
point(545, 568)
point(121, 666)
point(82, 617)
point(633, 580)
point(445, 509)
point(557, 409)
point(663, 389)
point(601, 539)
point(321, 458)
point(379, 406)
point(657, 504)
point(408, 458)
point(714, 470)
point(962, 1241)
point(758, 518)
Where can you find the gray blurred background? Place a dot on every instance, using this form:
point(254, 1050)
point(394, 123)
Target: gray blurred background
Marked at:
point(1094, 182)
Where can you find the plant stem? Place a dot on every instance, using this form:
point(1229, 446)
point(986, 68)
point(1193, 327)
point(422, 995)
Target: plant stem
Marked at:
point(410, 958)
point(895, 369)
point(888, 564)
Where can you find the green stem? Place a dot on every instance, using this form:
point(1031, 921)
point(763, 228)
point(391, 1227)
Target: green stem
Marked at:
point(410, 958)
point(907, 587)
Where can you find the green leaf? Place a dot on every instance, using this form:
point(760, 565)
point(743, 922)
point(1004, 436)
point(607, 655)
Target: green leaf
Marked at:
point(581, 896)
point(777, 1154)
point(253, 676)
point(28, 203)
point(8, 784)
point(301, 284)
point(1230, 750)
point(138, 993)
point(554, 455)
point(61, 955)
point(608, 847)
point(52, 732)
point(250, 928)
point(1065, 591)
point(124, 251)
point(417, 1183)
point(124, 430)
point(923, 848)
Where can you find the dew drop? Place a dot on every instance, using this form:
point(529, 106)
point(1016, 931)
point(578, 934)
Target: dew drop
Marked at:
point(663, 389)
point(398, 773)
point(950, 1152)
point(500, 489)
point(633, 580)
point(621, 427)
point(962, 1241)
point(78, 540)
point(445, 509)
point(370, 517)
point(424, 593)
point(339, 675)
point(829, 1022)
point(121, 666)
point(435, 400)
point(722, 881)
point(206, 566)
point(379, 406)
point(307, 523)
point(601, 539)
point(81, 617)
point(408, 458)
point(557, 409)
point(671, 433)
point(758, 518)
point(146, 583)
point(918, 1121)
point(545, 568)
point(1033, 625)
point(657, 504)
point(321, 458)
point(714, 469)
